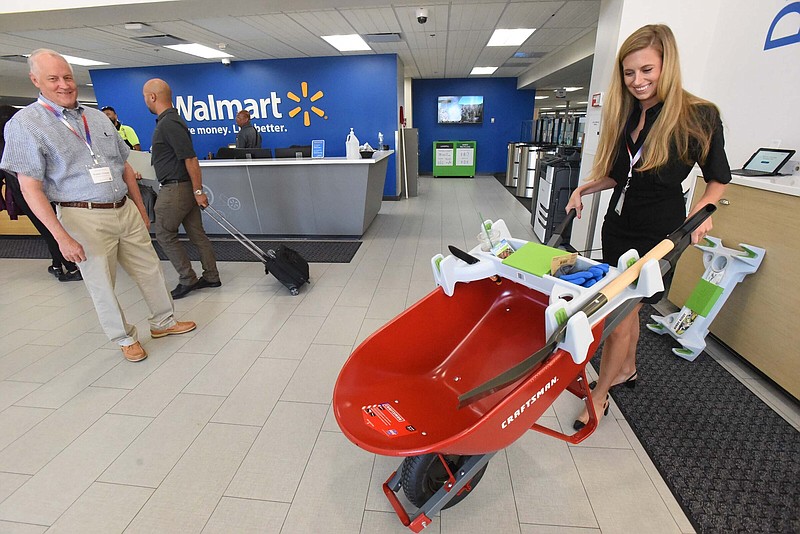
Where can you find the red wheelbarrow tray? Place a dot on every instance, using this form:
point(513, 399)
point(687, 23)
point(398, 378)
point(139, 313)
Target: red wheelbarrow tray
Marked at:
point(418, 364)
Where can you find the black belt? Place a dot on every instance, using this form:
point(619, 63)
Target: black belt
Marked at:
point(93, 205)
point(165, 182)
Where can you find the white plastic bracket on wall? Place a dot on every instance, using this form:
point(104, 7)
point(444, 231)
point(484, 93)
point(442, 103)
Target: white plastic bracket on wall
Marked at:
point(725, 268)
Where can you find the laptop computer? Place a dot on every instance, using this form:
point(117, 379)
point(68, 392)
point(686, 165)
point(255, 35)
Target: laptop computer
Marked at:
point(765, 162)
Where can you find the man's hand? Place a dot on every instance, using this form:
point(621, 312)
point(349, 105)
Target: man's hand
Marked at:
point(71, 249)
point(202, 200)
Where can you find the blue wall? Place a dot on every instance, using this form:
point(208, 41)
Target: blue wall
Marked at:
point(358, 92)
point(501, 100)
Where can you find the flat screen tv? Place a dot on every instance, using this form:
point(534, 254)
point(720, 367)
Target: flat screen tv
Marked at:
point(460, 110)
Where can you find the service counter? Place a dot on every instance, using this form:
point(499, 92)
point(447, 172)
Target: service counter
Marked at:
point(296, 197)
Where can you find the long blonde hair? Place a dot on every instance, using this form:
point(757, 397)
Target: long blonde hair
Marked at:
point(681, 118)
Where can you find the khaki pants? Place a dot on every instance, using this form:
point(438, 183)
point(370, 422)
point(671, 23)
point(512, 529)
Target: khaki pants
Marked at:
point(118, 236)
point(176, 206)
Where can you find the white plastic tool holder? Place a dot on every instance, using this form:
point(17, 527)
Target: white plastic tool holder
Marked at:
point(565, 297)
point(725, 268)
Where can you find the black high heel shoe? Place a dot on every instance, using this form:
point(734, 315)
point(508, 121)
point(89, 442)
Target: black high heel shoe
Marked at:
point(630, 383)
point(578, 424)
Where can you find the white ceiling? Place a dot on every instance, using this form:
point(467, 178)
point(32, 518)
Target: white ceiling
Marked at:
point(448, 45)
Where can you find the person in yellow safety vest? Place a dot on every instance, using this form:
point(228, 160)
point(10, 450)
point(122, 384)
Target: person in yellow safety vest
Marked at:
point(125, 132)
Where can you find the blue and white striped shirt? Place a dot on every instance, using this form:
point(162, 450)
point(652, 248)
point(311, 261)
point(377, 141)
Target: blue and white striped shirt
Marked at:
point(39, 145)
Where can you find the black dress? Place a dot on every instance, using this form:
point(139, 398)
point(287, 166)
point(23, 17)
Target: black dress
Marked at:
point(654, 204)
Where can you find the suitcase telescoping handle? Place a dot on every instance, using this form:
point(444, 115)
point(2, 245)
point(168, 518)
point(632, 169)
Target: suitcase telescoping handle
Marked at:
point(228, 226)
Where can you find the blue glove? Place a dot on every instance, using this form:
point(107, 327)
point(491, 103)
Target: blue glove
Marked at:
point(587, 278)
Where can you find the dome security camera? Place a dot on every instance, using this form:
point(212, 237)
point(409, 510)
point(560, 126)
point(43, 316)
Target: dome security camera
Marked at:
point(422, 15)
point(226, 61)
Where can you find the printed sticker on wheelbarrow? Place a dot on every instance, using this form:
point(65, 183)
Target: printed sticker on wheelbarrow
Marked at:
point(386, 420)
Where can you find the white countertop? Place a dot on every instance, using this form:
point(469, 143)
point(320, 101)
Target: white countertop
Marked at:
point(788, 185)
point(377, 156)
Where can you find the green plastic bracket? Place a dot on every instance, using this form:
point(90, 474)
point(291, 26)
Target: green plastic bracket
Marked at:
point(684, 351)
point(655, 326)
point(749, 253)
point(439, 264)
point(709, 243)
point(561, 316)
point(703, 297)
point(631, 262)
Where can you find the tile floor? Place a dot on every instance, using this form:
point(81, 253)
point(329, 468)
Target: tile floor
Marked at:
point(230, 429)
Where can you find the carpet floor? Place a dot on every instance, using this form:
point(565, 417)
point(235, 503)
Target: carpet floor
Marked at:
point(732, 463)
point(225, 249)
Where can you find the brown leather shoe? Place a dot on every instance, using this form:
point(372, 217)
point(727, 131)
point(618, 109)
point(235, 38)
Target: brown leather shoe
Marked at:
point(134, 353)
point(181, 327)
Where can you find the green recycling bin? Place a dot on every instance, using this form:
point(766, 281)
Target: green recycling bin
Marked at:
point(454, 158)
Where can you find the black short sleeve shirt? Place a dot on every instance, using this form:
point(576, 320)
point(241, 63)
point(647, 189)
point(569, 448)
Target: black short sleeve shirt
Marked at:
point(172, 144)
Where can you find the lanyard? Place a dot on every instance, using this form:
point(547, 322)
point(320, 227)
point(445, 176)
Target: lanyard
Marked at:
point(60, 117)
point(634, 158)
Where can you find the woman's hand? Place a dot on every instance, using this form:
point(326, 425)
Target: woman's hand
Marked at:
point(575, 203)
point(702, 231)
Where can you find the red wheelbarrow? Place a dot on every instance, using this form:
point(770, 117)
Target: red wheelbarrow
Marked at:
point(467, 370)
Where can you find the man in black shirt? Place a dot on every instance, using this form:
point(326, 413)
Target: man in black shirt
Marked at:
point(248, 136)
point(181, 194)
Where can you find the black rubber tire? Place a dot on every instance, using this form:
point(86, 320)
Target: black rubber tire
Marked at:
point(422, 476)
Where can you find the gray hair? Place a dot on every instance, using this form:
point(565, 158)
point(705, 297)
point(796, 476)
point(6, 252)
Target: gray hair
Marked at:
point(44, 52)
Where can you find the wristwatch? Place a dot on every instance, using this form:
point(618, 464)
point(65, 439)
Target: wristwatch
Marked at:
point(198, 192)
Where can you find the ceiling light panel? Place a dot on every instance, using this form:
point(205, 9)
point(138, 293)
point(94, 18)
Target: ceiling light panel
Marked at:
point(510, 37)
point(83, 62)
point(199, 50)
point(347, 43)
point(482, 71)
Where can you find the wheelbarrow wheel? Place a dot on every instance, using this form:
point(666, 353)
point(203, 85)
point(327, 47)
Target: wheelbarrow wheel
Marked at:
point(424, 475)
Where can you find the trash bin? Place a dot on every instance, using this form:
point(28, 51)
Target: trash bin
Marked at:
point(511, 162)
point(527, 170)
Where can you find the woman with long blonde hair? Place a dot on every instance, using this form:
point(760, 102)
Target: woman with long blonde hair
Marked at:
point(652, 134)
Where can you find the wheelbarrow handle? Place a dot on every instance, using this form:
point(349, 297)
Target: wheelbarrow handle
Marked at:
point(602, 297)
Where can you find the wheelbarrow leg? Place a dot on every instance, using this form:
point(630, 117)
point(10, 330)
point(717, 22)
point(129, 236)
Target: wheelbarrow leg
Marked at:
point(580, 388)
point(438, 500)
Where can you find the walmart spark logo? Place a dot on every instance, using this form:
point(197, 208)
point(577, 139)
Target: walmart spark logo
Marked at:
point(316, 96)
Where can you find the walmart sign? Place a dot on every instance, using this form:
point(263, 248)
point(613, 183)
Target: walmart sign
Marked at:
point(291, 101)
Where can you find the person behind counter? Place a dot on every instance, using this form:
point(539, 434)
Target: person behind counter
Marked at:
point(125, 132)
point(248, 136)
point(653, 132)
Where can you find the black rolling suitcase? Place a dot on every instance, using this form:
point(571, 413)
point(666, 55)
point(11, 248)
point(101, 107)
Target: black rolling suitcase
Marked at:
point(285, 264)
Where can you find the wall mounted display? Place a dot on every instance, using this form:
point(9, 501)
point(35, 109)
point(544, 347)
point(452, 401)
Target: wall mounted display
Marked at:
point(460, 110)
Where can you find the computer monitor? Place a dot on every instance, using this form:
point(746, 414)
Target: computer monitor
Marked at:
point(292, 151)
point(244, 153)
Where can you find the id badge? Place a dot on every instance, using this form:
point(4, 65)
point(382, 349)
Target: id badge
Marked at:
point(100, 174)
point(99, 170)
point(620, 202)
